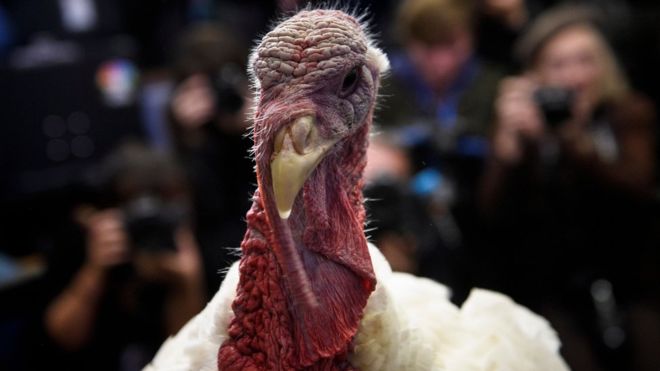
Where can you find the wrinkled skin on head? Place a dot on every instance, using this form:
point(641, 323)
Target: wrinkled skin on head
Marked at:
point(300, 67)
point(306, 274)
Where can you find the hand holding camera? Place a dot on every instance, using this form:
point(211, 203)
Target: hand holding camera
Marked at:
point(178, 267)
point(556, 105)
point(150, 234)
point(525, 112)
point(107, 242)
point(518, 119)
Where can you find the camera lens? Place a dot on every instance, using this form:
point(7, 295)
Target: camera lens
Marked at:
point(555, 103)
point(228, 98)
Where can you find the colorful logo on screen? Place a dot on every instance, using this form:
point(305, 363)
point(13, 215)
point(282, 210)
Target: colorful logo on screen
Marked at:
point(117, 80)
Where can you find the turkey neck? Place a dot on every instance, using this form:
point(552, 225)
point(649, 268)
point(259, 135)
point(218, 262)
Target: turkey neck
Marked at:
point(274, 327)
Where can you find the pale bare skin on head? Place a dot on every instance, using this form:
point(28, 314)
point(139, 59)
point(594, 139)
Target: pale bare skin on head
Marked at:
point(318, 69)
point(308, 47)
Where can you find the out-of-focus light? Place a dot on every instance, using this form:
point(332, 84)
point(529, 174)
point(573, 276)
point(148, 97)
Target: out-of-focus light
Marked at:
point(82, 146)
point(53, 126)
point(57, 150)
point(117, 80)
point(78, 123)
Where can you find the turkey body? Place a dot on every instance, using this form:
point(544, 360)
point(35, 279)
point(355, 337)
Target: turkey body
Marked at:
point(408, 324)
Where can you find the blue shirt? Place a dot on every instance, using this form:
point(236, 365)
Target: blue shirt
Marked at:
point(444, 109)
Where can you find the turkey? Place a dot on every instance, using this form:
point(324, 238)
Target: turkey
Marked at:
point(309, 292)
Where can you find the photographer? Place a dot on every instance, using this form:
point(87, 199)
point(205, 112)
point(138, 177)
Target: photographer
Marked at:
point(439, 104)
point(133, 277)
point(574, 91)
point(208, 117)
point(408, 216)
point(567, 189)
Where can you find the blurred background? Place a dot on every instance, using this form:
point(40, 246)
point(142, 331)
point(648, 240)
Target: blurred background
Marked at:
point(515, 150)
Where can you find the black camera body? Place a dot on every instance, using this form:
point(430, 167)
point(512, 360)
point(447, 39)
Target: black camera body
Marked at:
point(151, 223)
point(555, 103)
point(228, 98)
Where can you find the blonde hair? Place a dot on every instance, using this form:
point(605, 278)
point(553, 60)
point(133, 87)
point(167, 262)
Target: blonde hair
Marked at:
point(615, 84)
point(553, 23)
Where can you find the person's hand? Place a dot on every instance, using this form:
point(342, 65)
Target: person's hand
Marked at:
point(180, 266)
point(107, 242)
point(193, 102)
point(575, 138)
point(180, 273)
point(518, 119)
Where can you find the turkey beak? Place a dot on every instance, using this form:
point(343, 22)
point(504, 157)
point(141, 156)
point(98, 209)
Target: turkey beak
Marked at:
point(298, 149)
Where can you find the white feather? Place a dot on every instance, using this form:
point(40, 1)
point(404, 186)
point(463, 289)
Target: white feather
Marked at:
point(378, 58)
point(196, 346)
point(409, 324)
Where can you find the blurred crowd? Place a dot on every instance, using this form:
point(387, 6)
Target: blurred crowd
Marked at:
point(514, 149)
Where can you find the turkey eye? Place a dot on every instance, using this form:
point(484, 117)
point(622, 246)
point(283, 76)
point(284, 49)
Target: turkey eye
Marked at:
point(350, 83)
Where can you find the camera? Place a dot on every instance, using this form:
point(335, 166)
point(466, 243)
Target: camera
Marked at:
point(151, 223)
point(226, 87)
point(555, 103)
